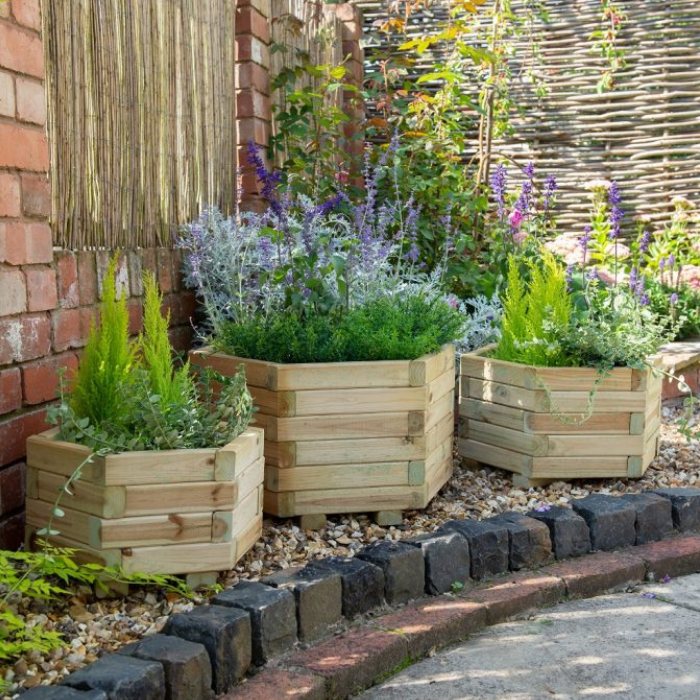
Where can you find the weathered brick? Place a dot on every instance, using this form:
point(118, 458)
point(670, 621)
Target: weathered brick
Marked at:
point(251, 103)
point(66, 329)
point(165, 270)
point(41, 288)
point(10, 389)
point(250, 21)
point(31, 101)
point(134, 262)
point(255, 130)
point(12, 480)
point(23, 146)
point(27, 12)
point(15, 431)
point(250, 48)
point(25, 243)
point(254, 77)
point(24, 338)
point(36, 195)
point(9, 194)
point(40, 379)
point(274, 684)
point(67, 279)
point(7, 91)
point(13, 299)
point(21, 51)
point(87, 278)
point(121, 271)
point(12, 531)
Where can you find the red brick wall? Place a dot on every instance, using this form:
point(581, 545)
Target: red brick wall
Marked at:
point(47, 296)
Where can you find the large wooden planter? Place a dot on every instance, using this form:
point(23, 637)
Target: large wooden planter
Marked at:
point(350, 436)
point(170, 511)
point(518, 418)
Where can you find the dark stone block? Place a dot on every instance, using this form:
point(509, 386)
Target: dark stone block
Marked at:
point(272, 613)
point(609, 519)
point(654, 516)
point(568, 531)
point(403, 567)
point(226, 634)
point(186, 665)
point(62, 692)
point(318, 595)
point(121, 678)
point(685, 504)
point(529, 542)
point(363, 583)
point(488, 545)
point(446, 559)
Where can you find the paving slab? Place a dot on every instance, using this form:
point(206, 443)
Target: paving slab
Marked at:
point(624, 646)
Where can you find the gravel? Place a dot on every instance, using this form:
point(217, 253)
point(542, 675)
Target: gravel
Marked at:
point(94, 626)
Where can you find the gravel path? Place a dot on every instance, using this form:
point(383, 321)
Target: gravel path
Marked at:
point(92, 626)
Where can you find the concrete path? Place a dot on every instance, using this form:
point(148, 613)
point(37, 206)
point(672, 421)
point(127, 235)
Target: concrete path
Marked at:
point(643, 645)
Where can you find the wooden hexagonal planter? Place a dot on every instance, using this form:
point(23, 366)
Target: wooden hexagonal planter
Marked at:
point(350, 436)
point(167, 512)
point(524, 419)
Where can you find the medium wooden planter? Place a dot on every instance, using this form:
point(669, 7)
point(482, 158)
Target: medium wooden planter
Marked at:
point(519, 418)
point(350, 436)
point(168, 512)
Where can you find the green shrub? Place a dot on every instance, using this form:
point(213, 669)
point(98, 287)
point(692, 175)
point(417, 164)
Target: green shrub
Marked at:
point(389, 328)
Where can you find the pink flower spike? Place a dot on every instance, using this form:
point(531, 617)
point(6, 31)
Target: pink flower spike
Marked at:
point(516, 218)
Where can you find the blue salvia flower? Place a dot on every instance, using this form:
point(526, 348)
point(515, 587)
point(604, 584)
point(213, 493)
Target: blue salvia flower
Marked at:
point(570, 278)
point(673, 299)
point(616, 214)
point(550, 187)
point(671, 261)
point(644, 241)
point(633, 279)
point(499, 185)
point(585, 239)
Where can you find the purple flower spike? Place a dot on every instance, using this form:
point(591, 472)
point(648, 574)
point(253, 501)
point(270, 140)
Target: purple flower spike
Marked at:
point(529, 170)
point(616, 214)
point(499, 184)
point(585, 239)
point(666, 579)
point(671, 261)
point(673, 299)
point(644, 241)
point(550, 187)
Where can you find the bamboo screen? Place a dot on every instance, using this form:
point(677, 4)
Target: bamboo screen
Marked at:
point(142, 119)
point(303, 30)
point(645, 133)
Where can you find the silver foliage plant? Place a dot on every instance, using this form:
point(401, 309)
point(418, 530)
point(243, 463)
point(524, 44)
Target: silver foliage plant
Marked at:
point(482, 322)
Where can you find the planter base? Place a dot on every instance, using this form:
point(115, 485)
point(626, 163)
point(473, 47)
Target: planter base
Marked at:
point(350, 437)
point(162, 512)
point(529, 420)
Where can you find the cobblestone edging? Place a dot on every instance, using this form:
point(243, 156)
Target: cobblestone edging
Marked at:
point(205, 652)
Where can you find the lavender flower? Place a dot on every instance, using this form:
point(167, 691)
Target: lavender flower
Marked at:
point(499, 184)
point(644, 241)
point(673, 300)
point(585, 239)
point(550, 187)
point(616, 214)
point(570, 278)
point(269, 180)
point(671, 261)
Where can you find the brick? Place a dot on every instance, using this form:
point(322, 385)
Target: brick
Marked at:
point(225, 634)
point(12, 480)
point(253, 77)
point(568, 531)
point(13, 299)
point(41, 288)
point(181, 338)
point(318, 598)
point(272, 614)
point(121, 677)
point(672, 390)
point(250, 48)
point(40, 379)
point(24, 338)
point(353, 660)
point(517, 594)
point(346, 12)
point(275, 683)
point(488, 545)
point(7, 93)
point(5, 8)
point(12, 531)
point(21, 51)
point(446, 560)
point(599, 573)
point(102, 260)
point(25, 243)
point(134, 308)
point(674, 557)
point(66, 329)
point(67, 279)
point(15, 431)
point(23, 146)
point(188, 307)
point(186, 665)
point(31, 101)
point(529, 542)
point(403, 567)
point(262, 6)
point(253, 129)
point(165, 270)
point(134, 262)
point(10, 389)
point(87, 278)
point(9, 195)
point(251, 103)
point(250, 21)
point(36, 195)
point(610, 520)
point(27, 12)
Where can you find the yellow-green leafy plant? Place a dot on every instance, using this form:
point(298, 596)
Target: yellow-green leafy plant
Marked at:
point(536, 314)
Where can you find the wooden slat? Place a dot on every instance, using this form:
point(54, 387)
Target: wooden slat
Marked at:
point(60, 457)
point(155, 467)
point(178, 558)
point(228, 523)
point(439, 477)
point(245, 541)
point(435, 437)
point(238, 454)
point(594, 445)
point(426, 369)
point(358, 500)
point(74, 525)
point(441, 385)
point(336, 476)
point(187, 497)
point(512, 440)
point(495, 456)
point(249, 479)
point(495, 414)
point(603, 401)
point(504, 394)
point(583, 379)
point(257, 372)
point(84, 554)
point(363, 451)
point(342, 375)
point(151, 530)
point(353, 401)
point(275, 403)
point(444, 406)
point(104, 501)
point(597, 424)
point(578, 467)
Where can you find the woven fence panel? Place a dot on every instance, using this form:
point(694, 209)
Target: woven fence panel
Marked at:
point(645, 133)
point(142, 120)
point(303, 30)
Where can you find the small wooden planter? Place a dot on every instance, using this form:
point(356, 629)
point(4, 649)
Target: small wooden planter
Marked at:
point(166, 512)
point(350, 436)
point(508, 420)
